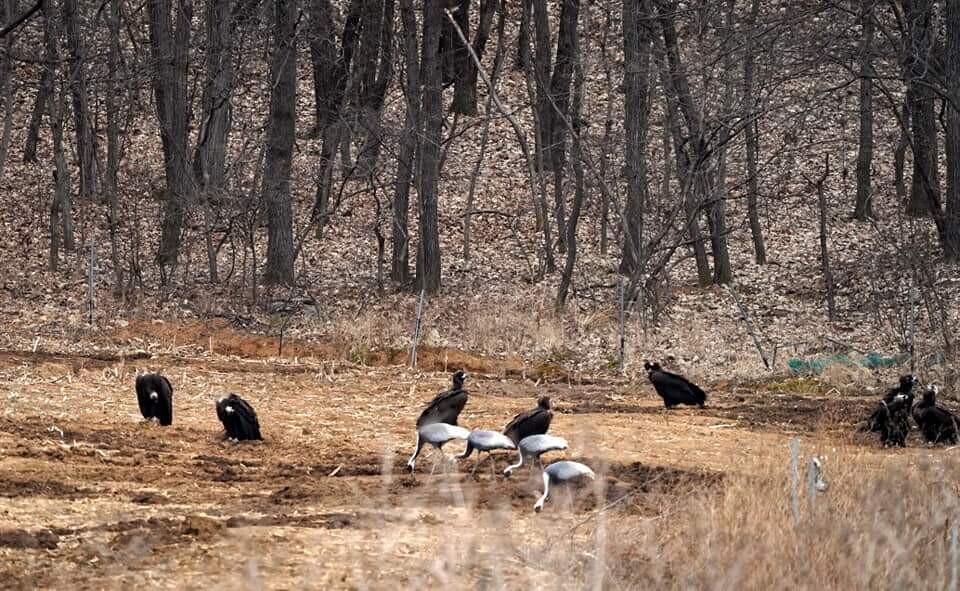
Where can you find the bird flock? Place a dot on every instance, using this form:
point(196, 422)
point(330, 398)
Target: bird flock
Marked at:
point(437, 425)
point(891, 417)
point(526, 433)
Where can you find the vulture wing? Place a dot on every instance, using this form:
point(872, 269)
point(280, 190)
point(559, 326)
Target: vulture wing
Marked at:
point(444, 408)
point(530, 422)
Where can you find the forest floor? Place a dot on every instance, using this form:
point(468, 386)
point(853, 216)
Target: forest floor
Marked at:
point(93, 497)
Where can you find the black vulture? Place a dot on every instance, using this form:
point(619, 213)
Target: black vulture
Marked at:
point(437, 435)
point(155, 397)
point(535, 421)
point(446, 406)
point(937, 424)
point(903, 388)
point(673, 388)
point(562, 472)
point(893, 420)
point(238, 418)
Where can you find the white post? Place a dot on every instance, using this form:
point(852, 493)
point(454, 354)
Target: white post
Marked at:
point(795, 478)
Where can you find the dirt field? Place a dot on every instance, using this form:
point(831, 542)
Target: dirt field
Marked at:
point(92, 497)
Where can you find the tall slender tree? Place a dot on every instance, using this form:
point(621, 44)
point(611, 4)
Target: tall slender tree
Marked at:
point(428, 251)
point(636, 84)
point(951, 233)
point(280, 138)
point(863, 208)
point(406, 155)
point(169, 48)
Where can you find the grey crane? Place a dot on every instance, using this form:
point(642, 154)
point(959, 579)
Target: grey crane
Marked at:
point(562, 472)
point(533, 447)
point(436, 434)
point(487, 441)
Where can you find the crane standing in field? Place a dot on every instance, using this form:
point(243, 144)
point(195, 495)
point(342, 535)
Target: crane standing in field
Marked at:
point(437, 435)
point(562, 472)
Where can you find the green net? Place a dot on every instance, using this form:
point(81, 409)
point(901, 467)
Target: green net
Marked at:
point(871, 360)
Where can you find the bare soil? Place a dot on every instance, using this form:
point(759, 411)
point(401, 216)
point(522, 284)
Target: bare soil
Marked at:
point(91, 496)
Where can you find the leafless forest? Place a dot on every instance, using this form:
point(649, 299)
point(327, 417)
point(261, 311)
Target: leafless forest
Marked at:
point(330, 205)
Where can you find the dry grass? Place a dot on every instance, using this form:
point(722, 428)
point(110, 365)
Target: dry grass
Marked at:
point(686, 499)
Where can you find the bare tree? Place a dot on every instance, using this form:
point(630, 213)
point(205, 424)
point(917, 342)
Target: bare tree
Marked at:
point(210, 152)
point(925, 189)
point(331, 65)
point(44, 91)
point(281, 128)
point(560, 104)
point(169, 47)
point(863, 208)
point(406, 156)
point(465, 82)
point(374, 71)
point(951, 234)
point(751, 142)
point(83, 122)
point(690, 147)
point(431, 120)
point(579, 193)
point(636, 84)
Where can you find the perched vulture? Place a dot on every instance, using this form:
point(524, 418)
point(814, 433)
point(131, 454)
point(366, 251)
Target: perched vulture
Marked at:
point(238, 418)
point(674, 389)
point(535, 421)
point(155, 396)
point(446, 406)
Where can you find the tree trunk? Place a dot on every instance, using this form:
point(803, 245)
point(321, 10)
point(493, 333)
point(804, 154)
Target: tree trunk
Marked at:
point(541, 79)
point(406, 156)
point(606, 61)
point(576, 108)
point(863, 208)
point(86, 140)
point(560, 102)
point(750, 137)
point(111, 179)
point(280, 138)
point(691, 149)
point(169, 48)
point(925, 187)
point(428, 252)
point(210, 153)
point(61, 208)
point(824, 245)
point(900, 154)
point(523, 36)
point(636, 86)
point(951, 234)
point(374, 71)
point(485, 134)
point(45, 90)
point(330, 66)
point(465, 91)
point(722, 269)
